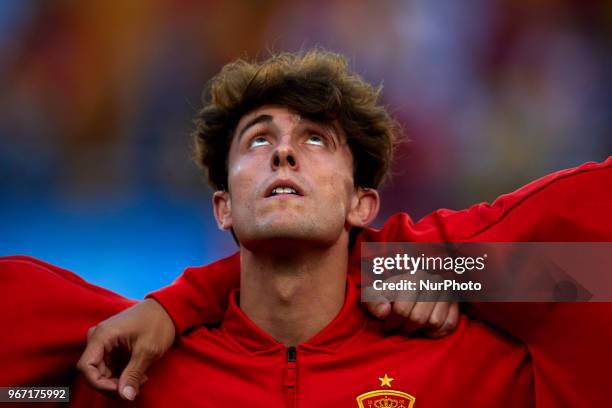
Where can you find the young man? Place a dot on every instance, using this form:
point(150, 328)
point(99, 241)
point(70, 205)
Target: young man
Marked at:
point(533, 213)
point(291, 188)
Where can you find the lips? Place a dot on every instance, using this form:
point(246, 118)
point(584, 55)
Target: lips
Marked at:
point(283, 187)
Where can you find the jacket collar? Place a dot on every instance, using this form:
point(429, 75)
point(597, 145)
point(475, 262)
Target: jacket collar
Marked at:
point(344, 326)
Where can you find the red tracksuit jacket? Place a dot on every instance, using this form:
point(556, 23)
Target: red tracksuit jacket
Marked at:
point(237, 364)
point(563, 357)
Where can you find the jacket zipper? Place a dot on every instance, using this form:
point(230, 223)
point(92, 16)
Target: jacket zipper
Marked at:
point(290, 377)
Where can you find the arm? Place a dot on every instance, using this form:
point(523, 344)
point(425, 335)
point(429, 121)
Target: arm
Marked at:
point(147, 330)
point(46, 313)
point(572, 205)
point(569, 343)
point(198, 296)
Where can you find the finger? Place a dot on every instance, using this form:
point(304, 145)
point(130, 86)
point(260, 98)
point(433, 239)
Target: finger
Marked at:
point(419, 316)
point(105, 370)
point(449, 325)
point(95, 371)
point(438, 315)
point(102, 380)
point(106, 382)
point(400, 311)
point(133, 376)
point(452, 320)
point(380, 310)
point(378, 304)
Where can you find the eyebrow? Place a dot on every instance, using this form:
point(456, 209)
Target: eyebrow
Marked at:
point(258, 119)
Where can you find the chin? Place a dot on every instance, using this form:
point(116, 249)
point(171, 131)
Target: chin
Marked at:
point(292, 232)
point(279, 237)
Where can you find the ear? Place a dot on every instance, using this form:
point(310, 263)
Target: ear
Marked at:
point(222, 206)
point(364, 207)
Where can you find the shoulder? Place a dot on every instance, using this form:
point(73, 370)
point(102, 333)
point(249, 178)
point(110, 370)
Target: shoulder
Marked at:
point(25, 276)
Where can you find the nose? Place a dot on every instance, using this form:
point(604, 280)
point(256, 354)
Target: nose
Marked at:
point(284, 155)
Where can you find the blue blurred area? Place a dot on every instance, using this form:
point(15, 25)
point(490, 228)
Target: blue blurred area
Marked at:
point(132, 248)
point(96, 107)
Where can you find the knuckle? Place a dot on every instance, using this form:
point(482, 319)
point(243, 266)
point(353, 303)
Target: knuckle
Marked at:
point(100, 330)
point(108, 333)
point(449, 325)
point(419, 318)
point(435, 322)
point(402, 309)
point(132, 376)
point(148, 350)
point(91, 331)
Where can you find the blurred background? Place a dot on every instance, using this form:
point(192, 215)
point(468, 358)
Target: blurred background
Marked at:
point(96, 101)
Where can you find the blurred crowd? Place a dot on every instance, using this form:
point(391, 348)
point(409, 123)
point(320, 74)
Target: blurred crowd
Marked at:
point(97, 98)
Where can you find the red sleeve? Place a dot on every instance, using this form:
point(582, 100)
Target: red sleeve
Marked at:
point(569, 343)
point(46, 313)
point(200, 294)
point(569, 205)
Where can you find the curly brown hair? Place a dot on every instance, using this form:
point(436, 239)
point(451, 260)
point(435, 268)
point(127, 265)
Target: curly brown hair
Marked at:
point(316, 84)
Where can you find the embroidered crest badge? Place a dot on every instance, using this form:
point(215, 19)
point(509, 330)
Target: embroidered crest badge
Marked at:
point(385, 398)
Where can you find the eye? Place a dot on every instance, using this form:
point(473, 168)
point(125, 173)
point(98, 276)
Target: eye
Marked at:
point(258, 141)
point(315, 139)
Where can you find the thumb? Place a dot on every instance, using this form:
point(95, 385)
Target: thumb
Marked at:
point(133, 375)
point(376, 303)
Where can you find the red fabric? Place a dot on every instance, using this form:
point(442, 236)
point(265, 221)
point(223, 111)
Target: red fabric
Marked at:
point(568, 343)
point(237, 364)
point(48, 311)
point(183, 300)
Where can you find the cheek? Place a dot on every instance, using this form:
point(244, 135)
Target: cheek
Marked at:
point(241, 179)
point(242, 171)
point(337, 191)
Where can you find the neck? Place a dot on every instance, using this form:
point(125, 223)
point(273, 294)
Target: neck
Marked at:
point(293, 295)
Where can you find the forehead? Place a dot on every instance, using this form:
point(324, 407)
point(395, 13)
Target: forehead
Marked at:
point(279, 114)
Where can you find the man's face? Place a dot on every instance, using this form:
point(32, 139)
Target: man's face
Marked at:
point(289, 179)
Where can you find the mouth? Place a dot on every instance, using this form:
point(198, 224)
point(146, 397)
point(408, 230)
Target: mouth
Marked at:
point(284, 188)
